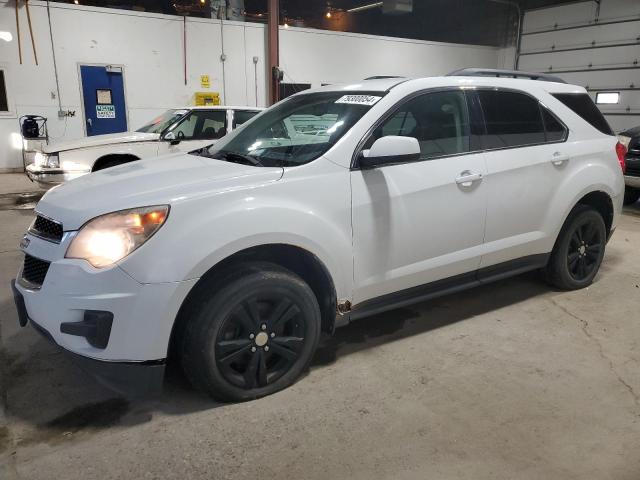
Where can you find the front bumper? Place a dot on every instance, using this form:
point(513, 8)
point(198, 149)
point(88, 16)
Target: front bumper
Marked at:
point(141, 315)
point(630, 181)
point(47, 177)
point(129, 378)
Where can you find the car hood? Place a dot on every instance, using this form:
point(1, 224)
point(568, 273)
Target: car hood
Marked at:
point(154, 181)
point(100, 140)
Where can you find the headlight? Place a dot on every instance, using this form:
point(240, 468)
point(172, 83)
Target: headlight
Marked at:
point(111, 237)
point(45, 160)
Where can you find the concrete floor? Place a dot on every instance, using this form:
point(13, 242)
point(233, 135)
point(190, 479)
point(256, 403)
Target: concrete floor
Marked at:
point(512, 380)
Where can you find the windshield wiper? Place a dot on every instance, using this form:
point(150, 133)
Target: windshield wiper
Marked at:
point(239, 158)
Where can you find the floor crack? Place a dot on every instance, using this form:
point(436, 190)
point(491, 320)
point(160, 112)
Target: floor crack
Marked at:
point(584, 326)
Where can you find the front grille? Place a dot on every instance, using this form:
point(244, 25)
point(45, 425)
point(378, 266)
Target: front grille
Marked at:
point(34, 270)
point(47, 229)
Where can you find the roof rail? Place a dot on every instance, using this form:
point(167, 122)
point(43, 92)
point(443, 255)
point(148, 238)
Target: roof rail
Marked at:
point(380, 77)
point(493, 72)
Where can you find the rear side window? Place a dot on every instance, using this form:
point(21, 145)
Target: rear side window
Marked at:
point(242, 116)
point(583, 106)
point(512, 119)
point(555, 130)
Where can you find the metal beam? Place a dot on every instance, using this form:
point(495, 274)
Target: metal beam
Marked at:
point(272, 41)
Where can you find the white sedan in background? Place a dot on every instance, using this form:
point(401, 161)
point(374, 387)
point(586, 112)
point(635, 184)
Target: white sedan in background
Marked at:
point(175, 131)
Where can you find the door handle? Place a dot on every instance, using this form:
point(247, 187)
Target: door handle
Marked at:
point(467, 178)
point(558, 159)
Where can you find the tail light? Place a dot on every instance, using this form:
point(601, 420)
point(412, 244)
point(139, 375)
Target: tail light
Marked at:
point(621, 151)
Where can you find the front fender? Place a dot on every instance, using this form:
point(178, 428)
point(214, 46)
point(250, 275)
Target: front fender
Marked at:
point(315, 217)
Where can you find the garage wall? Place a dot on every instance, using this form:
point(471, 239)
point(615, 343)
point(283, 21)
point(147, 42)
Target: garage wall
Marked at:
point(597, 47)
point(149, 47)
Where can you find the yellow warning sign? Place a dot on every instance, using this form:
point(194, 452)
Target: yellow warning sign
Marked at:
point(204, 81)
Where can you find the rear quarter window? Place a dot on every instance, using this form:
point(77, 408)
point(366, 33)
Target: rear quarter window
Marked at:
point(582, 105)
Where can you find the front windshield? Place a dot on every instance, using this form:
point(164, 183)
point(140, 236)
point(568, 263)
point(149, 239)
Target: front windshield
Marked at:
point(162, 122)
point(295, 131)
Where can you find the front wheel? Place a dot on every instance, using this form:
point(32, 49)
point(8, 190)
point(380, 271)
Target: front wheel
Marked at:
point(579, 250)
point(252, 334)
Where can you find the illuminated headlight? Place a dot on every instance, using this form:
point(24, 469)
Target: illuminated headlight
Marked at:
point(109, 238)
point(45, 160)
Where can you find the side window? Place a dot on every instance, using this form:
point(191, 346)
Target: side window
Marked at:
point(242, 116)
point(203, 125)
point(512, 119)
point(555, 131)
point(439, 121)
point(582, 105)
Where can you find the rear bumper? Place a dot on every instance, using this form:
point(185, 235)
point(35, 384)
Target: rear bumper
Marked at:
point(129, 378)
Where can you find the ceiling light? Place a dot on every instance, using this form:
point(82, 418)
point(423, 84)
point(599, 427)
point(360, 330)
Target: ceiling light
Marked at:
point(76, 2)
point(328, 14)
point(6, 36)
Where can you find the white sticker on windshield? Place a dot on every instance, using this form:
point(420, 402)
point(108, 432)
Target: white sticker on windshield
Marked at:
point(359, 99)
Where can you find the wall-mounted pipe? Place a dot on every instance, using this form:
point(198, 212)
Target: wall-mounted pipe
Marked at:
point(33, 41)
point(55, 65)
point(18, 32)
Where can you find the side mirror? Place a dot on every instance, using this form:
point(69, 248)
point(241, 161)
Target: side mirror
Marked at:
point(388, 150)
point(171, 138)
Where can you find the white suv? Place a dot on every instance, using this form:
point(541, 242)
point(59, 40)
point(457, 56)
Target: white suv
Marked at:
point(332, 205)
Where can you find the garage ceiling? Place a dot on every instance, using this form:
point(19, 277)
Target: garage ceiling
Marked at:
point(483, 22)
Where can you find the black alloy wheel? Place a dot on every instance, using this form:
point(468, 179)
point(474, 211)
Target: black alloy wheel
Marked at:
point(249, 332)
point(260, 341)
point(579, 249)
point(585, 249)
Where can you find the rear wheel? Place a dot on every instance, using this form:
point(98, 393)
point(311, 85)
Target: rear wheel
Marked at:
point(252, 336)
point(631, 195)
point(579, 250)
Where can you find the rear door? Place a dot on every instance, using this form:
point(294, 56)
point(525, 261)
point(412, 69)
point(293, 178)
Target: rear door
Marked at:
point(104, 102)
point(527, 158)
point(415, 223)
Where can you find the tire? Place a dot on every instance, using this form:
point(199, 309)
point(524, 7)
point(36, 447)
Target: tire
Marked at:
point(579, 250)
point(251, 333)
point(631, 195)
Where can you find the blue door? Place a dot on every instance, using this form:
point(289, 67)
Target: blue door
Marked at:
point(104, 105)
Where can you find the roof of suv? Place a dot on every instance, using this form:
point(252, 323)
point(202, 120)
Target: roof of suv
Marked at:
point(385, 84)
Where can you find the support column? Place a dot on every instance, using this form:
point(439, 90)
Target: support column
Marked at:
point(272, 42)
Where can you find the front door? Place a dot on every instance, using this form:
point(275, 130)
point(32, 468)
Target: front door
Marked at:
point(104, 102)
point(415, 223)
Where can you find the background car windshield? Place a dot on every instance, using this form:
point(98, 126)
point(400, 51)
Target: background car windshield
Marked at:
point(296, 131)
point(160, 123)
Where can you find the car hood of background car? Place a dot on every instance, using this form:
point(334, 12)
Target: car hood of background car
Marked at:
point(100, 140)
point(155, 181)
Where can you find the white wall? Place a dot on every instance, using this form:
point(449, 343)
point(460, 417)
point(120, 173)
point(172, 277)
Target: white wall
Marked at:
point(608, 67)
point(150, 49)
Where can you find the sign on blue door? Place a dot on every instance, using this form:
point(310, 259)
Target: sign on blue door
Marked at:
point(104, 102)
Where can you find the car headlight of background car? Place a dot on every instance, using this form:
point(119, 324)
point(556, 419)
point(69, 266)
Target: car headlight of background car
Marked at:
point(109, 238)
point(47, 160)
